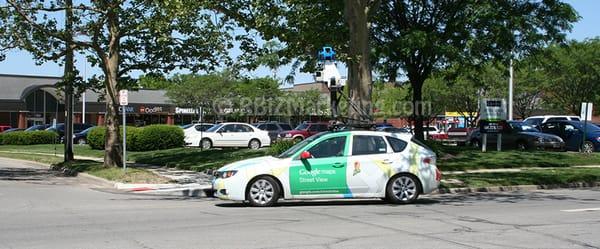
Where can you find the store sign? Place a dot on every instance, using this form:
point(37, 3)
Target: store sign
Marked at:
point(128, 109)
point(179, 110)
point(492, 109)
point(149, 110)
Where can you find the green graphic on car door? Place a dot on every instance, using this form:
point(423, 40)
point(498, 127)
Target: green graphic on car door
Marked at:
point(325, 173)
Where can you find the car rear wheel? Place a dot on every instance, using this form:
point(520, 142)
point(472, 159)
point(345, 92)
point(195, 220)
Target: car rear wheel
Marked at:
point(205, 144)
point(254, 144)
point(403, 189)
point(587, 147)
point(263, 192)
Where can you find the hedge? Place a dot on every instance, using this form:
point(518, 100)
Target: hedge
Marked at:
point(28, 137)
point(280, 146)
point(153, 137)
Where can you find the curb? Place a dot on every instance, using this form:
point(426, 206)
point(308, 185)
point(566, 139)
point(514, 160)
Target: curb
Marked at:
point(100, 179)
point(187, 190)
point(575, 185)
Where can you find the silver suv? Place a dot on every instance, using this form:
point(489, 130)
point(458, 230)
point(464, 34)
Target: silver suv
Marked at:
point(536, 121)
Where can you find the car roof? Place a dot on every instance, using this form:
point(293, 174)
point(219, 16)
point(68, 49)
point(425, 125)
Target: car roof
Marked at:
point(554, 116)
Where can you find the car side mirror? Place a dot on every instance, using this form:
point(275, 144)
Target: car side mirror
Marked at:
point(305, 155)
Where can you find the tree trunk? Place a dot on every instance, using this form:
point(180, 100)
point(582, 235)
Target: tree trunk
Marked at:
point(417, 100)
point(68, 78)
point(359, 69)
point(113, 156)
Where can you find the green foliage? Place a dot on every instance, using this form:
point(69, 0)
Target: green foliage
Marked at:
point(280, 146)
point(152, 137)
point(158, 137)
point(28, 137)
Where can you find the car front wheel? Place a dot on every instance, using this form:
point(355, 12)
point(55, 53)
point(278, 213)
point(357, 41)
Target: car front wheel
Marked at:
point(263, 192)
point(205, 144)
point(403, 189)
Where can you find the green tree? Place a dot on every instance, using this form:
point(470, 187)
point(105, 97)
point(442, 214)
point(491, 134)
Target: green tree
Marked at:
point(120, 37)
point(422, 36)
point(573, 74)
point(201, 92)
point(530, 80)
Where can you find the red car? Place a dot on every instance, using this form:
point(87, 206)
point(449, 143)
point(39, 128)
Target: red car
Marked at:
point(304, 131)
point(4, 127)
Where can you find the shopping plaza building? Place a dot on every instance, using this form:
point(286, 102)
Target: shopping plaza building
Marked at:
point(29, 100)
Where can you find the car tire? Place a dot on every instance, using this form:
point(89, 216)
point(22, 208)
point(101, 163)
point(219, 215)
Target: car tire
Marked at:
point(205, 144)
point(254, 144)
point(298, 139)
point(81, 141)
point(587, 147)
point(522, 145)
point(263, 191)
point(475, 144)
point(403, 189)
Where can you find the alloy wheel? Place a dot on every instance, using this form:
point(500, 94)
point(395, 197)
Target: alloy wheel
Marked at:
point(404, 188)
point(262, 192)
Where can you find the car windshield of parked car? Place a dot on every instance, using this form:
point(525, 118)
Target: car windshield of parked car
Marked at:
point(285, 127)
point(590, 127)
point(301, 127)
point(215, 128)
point(186, 126)
point(297, 147)
point(523, 127)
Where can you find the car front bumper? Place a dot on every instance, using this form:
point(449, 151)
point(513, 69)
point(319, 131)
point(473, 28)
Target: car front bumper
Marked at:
point(229, 188)
point(554, 145)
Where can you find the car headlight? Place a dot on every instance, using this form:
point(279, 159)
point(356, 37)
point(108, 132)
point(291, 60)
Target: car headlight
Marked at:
point(288, 135)
point(540, 139)
point(598, 139)
point(225, 174)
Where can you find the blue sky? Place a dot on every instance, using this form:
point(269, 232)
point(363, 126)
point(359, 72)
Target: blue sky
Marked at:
point(18, 62)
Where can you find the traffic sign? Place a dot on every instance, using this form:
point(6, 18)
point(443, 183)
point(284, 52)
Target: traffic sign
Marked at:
point(586, 111)
point(123, 97)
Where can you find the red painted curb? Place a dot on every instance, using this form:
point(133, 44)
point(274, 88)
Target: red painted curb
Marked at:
point(141, 189)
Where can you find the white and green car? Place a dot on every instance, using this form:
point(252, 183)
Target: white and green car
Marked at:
point(346, 164)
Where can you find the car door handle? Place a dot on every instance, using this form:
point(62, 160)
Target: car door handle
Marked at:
point(338, 165)
point(387, 161)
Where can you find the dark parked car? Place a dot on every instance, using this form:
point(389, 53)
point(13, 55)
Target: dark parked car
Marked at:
point(274, 128)
point(13, 130)
point(81, 137)
point(516, 135)
point(38, 127)
point(304, 131)
point(573, 133)
point(4, 127)
point(60, 128)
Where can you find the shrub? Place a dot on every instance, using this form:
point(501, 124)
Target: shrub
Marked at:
point(96, 137)
point(153, 137)
point(28, 137)
point(158, 137)
point(280, 146)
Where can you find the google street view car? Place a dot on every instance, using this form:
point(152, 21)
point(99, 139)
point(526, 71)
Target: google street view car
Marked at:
point(343, 164)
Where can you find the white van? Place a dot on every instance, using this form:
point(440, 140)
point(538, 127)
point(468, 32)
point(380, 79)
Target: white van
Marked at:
point(535, 121)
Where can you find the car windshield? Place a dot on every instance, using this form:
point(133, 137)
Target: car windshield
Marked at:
point(214, 128)
point(186, 126)
point(297, 147)
point(523, 127)
point(285, 127)
point(590, 127)
point(533, 121)
point(87, 130)
point(301, 127)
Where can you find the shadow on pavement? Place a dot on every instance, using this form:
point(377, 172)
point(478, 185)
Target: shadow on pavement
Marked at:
point(328, 203)
point(25, 174)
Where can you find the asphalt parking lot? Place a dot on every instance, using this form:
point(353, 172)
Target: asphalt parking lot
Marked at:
point(40, 210)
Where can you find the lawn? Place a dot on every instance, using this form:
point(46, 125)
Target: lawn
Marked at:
point(554, 176)
point(131, 175)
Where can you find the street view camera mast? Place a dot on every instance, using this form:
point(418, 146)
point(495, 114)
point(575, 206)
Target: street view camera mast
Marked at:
point(328, 74)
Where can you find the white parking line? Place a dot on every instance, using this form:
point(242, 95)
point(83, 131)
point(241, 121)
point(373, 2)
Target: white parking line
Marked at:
point(581, 210)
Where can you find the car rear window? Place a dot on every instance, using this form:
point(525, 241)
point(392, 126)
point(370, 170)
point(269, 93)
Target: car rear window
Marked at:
point(398, 145)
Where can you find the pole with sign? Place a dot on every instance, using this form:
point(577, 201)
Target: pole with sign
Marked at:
point(123, 101)
point(586, 115)
point(492, 120)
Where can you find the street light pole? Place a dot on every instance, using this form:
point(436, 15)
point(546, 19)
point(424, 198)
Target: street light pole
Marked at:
point(510, 91)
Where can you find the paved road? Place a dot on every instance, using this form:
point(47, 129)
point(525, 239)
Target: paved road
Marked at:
point(39, 210)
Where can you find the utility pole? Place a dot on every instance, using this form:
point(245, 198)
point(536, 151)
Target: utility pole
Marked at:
point(510, 90)
point(68, 79)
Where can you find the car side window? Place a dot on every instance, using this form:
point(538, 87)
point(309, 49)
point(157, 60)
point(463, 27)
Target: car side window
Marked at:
point(242, 128)
point(552, 128)
point(366, 145)
point(272, 127)
point(262, 127)
point(398, 145)
point(228, 128)
point(313, 127)
point(331, 147)
point(555, 119)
